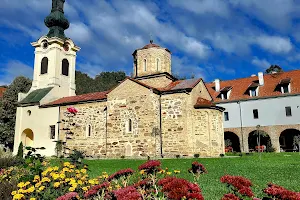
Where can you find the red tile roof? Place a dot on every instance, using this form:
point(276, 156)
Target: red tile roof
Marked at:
point(2, 90)
point(203, 103)
point(80, 98)
point(269, 89)
point(180, 85)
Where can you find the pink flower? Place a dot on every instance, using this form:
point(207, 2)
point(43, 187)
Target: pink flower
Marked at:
point(120, 173)
point(72, 110)
point(69, 196)
point(150, 166)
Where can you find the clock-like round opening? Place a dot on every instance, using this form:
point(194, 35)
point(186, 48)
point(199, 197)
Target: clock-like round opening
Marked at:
point(45, 45)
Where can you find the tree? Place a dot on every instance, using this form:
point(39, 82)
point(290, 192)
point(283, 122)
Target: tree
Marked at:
point(274, 69)
point(84, 83)
point(107, 80)
point(8, 107)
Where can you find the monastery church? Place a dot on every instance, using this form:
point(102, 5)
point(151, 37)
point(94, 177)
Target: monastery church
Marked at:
point(149, 114)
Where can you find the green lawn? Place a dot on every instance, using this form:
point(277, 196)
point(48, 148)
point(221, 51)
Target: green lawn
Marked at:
point(280, 168)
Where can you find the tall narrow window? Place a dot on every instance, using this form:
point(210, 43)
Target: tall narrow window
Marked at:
point(288, 111)
point(52, 132)
point(157, 64)
point(145, 65)
point(226, 116)
point(255, 113)
point(44, 65)
point(88, 131)
point(129, 125)
point(65, 67)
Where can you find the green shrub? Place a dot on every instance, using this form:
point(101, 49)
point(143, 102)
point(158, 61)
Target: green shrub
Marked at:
point(20, 153)
point(196, 155)
point(76, 157)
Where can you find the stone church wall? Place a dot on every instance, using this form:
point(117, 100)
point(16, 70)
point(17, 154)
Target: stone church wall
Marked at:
point(132, 101)
point(157, 82)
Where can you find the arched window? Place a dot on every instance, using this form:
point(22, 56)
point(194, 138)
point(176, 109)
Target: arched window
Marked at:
point(145, 65)
point(158, 64)
point(129, 125)
point(65, 67)
point(44, 65)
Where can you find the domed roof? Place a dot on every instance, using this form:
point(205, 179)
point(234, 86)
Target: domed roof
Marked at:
point(151, 45)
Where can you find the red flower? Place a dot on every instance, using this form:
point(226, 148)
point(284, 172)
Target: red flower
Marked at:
point(127, 193)
point(72, 110)
point(120, 173)
point(69, 196)
point(279, 192)
point(177, 188)
point(151, 166)
point(95, 189)
point(241, 184)
point(230, 196)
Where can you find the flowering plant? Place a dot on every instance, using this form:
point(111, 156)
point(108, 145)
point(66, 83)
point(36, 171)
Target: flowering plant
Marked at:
point(151, 166)
point(197, 168)
point(72, 110)
point(280, 193)
point(238, 186)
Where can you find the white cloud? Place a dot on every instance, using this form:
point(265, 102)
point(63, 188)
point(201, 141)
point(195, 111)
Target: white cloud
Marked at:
point(274, 44)
point(183, 68)
point(91, 69)
point(12, 69)
point(202, 7)
point(262, 63)
point(79, 32)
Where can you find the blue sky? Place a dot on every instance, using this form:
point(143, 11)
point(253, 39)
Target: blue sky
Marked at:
point(208, 38)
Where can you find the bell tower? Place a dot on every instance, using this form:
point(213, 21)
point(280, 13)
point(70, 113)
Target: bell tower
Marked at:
point(55, 55)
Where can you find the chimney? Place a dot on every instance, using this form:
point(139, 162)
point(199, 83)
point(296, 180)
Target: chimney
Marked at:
point(261, 78)
point(217, 85)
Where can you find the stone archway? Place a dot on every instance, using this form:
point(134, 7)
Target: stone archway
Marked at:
point(231, 139)
point(27, 137)
point(265, 140)
point(286, 140)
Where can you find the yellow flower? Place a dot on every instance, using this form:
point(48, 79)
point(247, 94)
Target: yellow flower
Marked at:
point(91, 182)
point(118, 186)
point(21, 184)
point(71, 189)
point(80, 182)
point(32, 198)
point(62, 176)
point(83, 171)
point(71, 166)
point(169, 173)
point(78, 175)
point(105, 176)
point(13, 193)
point(77, 171)
point(161, 171)
point(56, 184)
point(44, 163)
point(31, 189)
point(66, 164)
point(19, 196)
point(55, 176)
point(84, 188)
point(142, 172)
point(41, 188)
point(46, 179)
point(176, 171)
point(55, 168)
point(38, 184)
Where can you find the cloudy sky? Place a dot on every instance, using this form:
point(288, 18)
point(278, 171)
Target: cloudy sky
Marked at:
point(223, 39)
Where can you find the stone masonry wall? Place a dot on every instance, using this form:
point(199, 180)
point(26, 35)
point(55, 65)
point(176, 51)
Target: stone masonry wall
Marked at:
point(132, 101)
point(157, 82)
point(93, 114)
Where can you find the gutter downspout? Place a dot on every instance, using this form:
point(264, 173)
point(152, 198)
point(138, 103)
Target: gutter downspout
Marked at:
point(241, 120)
point(58, 123)
point(106, 131)
point(160, 127)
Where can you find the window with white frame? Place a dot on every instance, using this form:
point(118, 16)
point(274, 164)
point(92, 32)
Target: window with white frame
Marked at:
point(225, 92)
point(285, 85)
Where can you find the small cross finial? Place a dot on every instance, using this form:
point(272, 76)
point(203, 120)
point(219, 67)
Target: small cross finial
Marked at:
point(151, 40)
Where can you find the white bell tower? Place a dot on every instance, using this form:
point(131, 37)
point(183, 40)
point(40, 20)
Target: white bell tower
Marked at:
point(55, 55)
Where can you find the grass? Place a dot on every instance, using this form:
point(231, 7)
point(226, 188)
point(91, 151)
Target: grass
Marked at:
point(279, 168)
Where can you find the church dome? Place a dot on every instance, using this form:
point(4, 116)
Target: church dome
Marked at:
point(150, 45)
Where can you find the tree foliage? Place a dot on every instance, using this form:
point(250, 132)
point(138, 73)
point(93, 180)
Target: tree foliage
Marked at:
point(274, 68)
point(102, 82)
point(8, 107)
